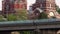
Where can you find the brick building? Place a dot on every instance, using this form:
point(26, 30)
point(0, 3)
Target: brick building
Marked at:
point(48, 6)
point(20, 4)
point(20, 7)
point(9, 6)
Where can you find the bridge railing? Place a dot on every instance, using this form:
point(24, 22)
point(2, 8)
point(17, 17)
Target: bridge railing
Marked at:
point(29, 22)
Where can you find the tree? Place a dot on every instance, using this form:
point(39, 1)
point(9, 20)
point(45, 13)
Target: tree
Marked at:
point(57, 7)
point(58, 10)
point(21, 14)
point(43, 16)
point(11, 17)
point(2, 18)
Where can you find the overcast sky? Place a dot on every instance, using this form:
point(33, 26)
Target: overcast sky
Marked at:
point(58, 2)
point(29, 2)
point(0, 4)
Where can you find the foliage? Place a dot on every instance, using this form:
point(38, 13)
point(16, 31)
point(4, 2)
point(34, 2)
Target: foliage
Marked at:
point(11, 17)
point(57, 7)
point(1, 18)
point(43, 16)
point(27, 32)
point(58, 11)
point(22, 14)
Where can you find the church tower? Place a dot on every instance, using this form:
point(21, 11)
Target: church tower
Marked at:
point(20, 4)
point(48, 6)
point(9, 6)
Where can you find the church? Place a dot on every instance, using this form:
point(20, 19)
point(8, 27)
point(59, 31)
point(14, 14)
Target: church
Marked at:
point(48, 7)
point(10, 6)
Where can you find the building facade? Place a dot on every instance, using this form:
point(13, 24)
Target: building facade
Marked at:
point(20, 4)
point(48, 6)
point(9, 6)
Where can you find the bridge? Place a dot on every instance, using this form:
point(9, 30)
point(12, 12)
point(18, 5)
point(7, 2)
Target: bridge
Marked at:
point(31, 25)
point(41, 26)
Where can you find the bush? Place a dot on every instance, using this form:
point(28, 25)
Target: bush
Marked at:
point(58, 11)
point(11, 17)
point(22, 14)
point(1, 18)
point(43, 16)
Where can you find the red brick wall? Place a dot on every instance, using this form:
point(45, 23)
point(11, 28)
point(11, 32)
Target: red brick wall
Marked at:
point(20, 5)
point(45, 5)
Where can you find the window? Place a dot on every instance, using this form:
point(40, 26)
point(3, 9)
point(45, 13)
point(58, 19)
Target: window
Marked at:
point(41, 5)
point(50, 5)
point(51, 14)
point(7, 7)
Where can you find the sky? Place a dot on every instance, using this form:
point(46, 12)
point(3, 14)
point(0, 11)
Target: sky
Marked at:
point(0, 4)
point(57, 2)
point(30, 2)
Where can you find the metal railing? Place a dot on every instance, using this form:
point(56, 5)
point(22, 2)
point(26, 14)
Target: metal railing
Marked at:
point(31, 22)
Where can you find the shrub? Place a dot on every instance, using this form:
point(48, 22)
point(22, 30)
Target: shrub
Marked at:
point(11, 17)
point(2, 18)
point(22, 14)
point(43, 16)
